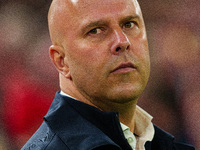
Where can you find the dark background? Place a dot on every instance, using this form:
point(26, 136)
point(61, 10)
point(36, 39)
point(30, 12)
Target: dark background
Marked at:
point(28, 80)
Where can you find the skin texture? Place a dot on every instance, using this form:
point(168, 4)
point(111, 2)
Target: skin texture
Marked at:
point(91, 39)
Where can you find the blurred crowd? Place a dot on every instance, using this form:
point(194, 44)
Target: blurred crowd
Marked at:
point(28, 80)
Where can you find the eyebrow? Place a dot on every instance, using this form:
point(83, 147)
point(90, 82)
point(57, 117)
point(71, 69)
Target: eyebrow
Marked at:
point(131, 17)
point(105, 22)
point(94, 24)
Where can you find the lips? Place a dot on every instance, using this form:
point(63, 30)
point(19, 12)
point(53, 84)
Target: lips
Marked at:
point(124, 68)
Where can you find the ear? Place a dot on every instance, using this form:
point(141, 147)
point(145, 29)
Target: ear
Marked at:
point(57, 55)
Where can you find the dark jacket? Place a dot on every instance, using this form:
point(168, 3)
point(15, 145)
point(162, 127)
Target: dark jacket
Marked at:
point(73, 125)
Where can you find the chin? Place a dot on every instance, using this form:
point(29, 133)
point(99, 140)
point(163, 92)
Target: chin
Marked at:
point(124, 96)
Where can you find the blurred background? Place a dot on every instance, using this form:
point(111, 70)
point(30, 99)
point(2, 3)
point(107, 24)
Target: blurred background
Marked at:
point(28, 80)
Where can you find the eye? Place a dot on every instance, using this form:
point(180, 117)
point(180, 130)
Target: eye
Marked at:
point(95, 31)
point(129, 24)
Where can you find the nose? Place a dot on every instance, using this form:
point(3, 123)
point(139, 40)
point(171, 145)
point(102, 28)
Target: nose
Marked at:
point(120, 42)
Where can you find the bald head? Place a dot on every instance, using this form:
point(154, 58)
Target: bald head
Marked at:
point(62, 14)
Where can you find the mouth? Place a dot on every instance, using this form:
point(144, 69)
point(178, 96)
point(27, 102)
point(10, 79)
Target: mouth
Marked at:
point(124, 68)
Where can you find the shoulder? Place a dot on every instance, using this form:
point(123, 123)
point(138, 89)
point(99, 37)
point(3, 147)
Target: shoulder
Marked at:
point(165, 140)
point(44, 139)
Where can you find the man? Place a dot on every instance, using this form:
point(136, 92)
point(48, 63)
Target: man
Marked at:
point(101, 53)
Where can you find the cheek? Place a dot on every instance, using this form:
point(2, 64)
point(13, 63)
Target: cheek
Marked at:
point(85, 59)
point(86, 53)
point(141, 50)
point(142, 53)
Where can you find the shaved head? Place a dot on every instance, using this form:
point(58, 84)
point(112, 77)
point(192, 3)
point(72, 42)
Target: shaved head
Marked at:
point(58, 9)
point(64, 11)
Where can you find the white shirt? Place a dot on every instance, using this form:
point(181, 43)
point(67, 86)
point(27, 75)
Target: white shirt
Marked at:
point(131, 139)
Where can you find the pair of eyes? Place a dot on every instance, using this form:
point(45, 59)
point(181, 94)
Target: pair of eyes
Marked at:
point(98, 30)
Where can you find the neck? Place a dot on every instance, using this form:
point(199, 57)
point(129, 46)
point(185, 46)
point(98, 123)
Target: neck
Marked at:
point(127, 116)
point(126, 109)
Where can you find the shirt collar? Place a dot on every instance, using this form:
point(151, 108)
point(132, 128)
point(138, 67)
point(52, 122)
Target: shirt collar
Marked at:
point(144, 129)
point(142, 121)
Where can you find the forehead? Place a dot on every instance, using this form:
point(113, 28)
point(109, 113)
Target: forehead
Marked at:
point(101, 8)
point(99, 5)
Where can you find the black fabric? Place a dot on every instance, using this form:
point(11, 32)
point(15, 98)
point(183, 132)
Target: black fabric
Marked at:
point(73, 125)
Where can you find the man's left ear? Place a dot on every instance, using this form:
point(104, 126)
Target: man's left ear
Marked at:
point(57, 55)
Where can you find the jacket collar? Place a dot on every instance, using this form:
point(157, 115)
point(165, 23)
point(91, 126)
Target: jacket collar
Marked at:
point(97, 128)
point(161, 141)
